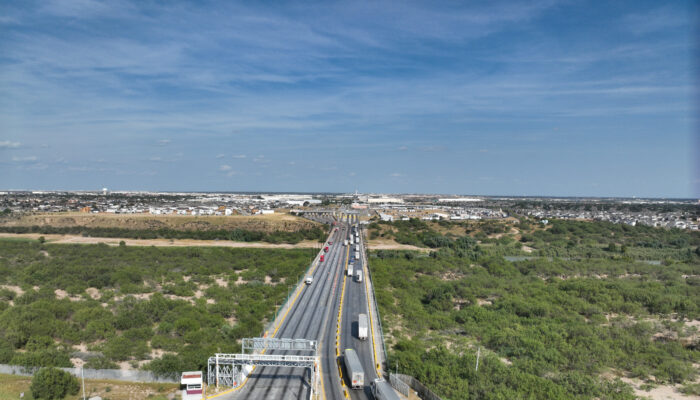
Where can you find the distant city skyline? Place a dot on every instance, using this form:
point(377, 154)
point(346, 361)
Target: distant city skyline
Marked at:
point(505, 98)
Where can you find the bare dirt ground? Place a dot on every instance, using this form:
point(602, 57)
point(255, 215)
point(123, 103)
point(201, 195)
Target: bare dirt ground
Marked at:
point(660, 392)
point(13, 385)
point(263, 223)
point(77, 239)
point(386, 244)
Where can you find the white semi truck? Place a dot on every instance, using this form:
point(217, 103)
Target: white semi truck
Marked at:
point(356, 375)
point(362, 326)
point(382, 390)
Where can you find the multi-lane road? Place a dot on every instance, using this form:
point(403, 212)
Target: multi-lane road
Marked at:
point(314, 316)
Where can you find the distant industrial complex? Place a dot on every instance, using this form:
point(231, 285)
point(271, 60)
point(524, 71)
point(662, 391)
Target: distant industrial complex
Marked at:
point(668, 213)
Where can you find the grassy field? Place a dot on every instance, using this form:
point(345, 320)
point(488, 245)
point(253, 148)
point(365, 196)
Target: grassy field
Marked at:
point(262, 223)
point(11, 386)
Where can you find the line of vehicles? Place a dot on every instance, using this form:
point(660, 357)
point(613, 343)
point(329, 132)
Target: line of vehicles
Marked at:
point(380, 388)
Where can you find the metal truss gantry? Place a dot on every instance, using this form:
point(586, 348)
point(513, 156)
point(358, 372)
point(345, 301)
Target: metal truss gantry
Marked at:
point(259, 344)
point(227, 369)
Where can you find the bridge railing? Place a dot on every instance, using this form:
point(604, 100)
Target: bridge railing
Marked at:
point(374, 301)
point(271, 325)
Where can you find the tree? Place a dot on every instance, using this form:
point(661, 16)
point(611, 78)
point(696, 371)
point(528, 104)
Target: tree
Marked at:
point(53, 383)
point(42, 239)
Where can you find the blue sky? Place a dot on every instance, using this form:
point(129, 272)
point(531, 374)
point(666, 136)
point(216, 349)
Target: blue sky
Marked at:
point(579, 98)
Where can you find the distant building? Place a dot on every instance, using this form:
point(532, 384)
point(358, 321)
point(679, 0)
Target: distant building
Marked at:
point(383, 200)
point(459, 200)
point(105, 191)
point(386, 217)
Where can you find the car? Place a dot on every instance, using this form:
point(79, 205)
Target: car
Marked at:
point(329, 242)
point(309, 280)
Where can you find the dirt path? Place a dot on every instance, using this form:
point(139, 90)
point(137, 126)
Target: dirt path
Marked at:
point(76, 239)
point(391, 245)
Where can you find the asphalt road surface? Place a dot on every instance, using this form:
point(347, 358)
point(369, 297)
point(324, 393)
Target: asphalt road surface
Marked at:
point(314, 316)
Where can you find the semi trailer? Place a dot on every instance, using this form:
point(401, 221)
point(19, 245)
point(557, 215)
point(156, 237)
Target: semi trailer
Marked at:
point(382, 390)
point(362, 326)
point(356, 375)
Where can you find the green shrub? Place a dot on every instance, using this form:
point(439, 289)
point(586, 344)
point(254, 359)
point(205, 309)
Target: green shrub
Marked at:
point(53, 383)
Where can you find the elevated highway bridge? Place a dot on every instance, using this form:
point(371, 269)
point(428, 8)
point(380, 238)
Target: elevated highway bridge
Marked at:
point(326, 311)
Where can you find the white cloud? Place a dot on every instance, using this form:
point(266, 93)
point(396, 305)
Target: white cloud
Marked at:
point(402, 148)
point(155, 159)
point(224, 168)
point(239, 156)
point(220, 156)
point(82, 8)
point(24, 159)
point(395, 174)
point(164, 142)
point(433, 148)
point(6, 144)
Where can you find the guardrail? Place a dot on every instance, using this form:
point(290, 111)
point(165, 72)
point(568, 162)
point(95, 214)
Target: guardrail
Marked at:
point(374, 301)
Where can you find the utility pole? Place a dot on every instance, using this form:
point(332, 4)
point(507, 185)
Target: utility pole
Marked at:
point(478, 354)
point(82, 375)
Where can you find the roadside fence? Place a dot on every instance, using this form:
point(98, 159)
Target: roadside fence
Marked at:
point(104, 374)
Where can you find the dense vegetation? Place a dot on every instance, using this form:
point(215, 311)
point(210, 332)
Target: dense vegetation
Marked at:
point(136, 303)
point(239, 235)
point(52, 383)
point(548, 327)
point(561, 238)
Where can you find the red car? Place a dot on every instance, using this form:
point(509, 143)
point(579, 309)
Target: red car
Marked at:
point(321, 260)
point(329, 242)
point(326, 249)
